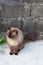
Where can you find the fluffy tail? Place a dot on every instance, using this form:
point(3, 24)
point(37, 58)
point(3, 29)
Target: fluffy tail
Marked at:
point(30, 37)
point(26, 38)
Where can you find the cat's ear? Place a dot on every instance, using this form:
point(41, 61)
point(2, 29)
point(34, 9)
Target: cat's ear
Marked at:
point(9, 28)
point(16, 31)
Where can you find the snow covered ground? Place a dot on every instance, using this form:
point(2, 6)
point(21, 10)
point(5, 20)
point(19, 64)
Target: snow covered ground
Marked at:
point(31, 54)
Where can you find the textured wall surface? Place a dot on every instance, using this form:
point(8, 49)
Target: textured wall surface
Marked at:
point(24, 14)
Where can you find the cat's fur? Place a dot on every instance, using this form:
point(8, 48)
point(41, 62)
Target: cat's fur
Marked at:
point(15, 40)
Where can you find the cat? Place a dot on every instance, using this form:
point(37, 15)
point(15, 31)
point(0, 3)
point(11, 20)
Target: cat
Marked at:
point(15, 40)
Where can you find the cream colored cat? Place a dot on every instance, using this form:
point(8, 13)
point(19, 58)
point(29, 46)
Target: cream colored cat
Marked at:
point(15, 40)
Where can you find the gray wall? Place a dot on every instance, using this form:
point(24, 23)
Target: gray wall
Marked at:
point(22, 14)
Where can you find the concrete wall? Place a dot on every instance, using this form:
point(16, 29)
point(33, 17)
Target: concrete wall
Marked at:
point(21, 13)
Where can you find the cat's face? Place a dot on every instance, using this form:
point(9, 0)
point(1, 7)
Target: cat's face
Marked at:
point(12, 32)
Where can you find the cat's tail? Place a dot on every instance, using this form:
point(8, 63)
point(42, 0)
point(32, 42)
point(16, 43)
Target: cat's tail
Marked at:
point(29, 37)
point(26, 38)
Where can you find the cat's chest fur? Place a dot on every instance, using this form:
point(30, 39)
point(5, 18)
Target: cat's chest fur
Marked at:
point(18, 40)
point(14, 42)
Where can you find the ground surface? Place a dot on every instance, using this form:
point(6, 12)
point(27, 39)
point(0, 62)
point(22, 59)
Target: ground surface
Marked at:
point(31, 54)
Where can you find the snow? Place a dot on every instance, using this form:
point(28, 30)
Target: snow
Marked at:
point(31, 54)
